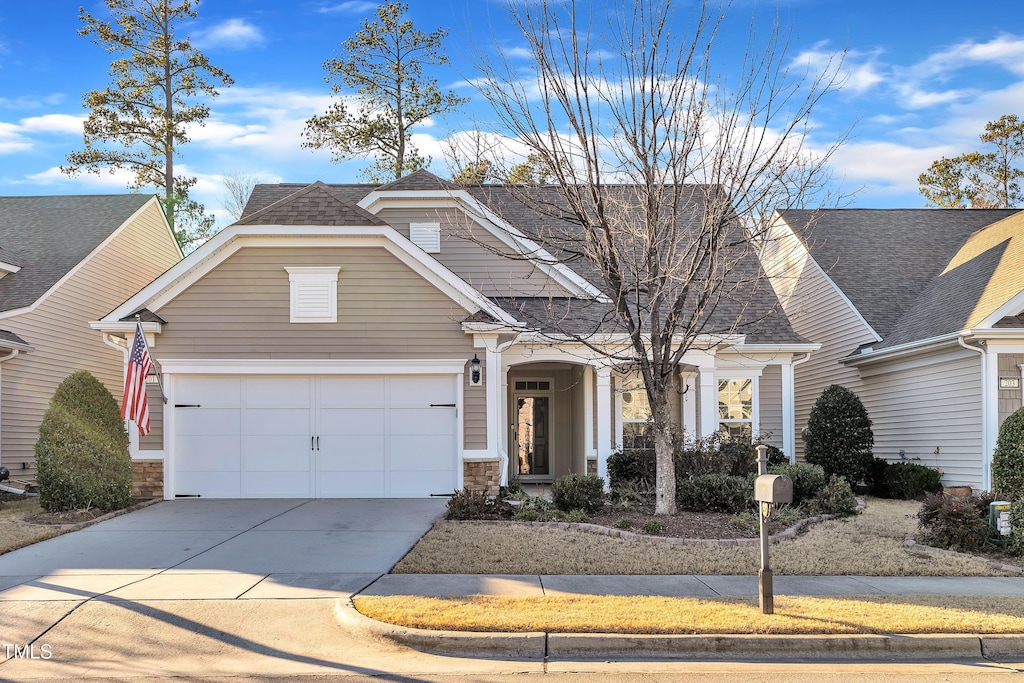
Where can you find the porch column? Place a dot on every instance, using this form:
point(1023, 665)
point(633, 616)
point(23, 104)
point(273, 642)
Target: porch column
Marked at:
point(492, 381)
point(604, 420)
point(708, 401)
point(588, 412)
point(788, 412)
point(689, 407)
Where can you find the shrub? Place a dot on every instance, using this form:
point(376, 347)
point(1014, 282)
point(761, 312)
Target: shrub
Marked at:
point(1016, 541)
point(808, 480)
point(909, 481)
point(949, 522)
point(836, 498)
point(578, 492)
point(632, 468)
point(715, 454)
point(82, 458)
point(652, 527)
point(576, 516)
point(1008, 459)
point(876, 477)
point(468, 504)
point(623, 523)
point(838, 435)
point(526, 516)
point(715, 493)
point(776, 456)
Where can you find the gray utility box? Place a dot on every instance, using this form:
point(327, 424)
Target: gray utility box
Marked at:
point(999, 516)
point(773, 488)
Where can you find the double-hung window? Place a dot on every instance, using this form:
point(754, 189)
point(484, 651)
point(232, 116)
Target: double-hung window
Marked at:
point(636, 417)
point(736, 407)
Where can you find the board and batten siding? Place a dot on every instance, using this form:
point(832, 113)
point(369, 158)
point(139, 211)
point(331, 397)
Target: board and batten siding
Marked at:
point(58, 330)
point(770, 405)
point(1009, 399)
point(925, 403)
point(386, 311)
point(475, 255)
point(818, 313)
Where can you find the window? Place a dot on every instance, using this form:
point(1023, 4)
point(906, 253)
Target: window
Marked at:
point(736, 407)
point(314, 294)
point(636, 417)
point(427, 236)
point(533, 385)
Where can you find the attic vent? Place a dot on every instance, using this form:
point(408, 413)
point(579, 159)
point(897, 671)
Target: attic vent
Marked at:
point(427, 236)
point(314, 293)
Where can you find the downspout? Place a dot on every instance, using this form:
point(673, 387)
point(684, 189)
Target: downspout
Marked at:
point(792, 408)
point(986, 452)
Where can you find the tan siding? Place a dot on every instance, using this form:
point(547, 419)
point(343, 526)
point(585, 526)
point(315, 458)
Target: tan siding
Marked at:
point(770, 405)
point(63, 342)
point(385, 311)
point(475, 406)
point(927, 402)
point(154, 441)
point(476, 255)
point(818, 313)
point(1009, 399)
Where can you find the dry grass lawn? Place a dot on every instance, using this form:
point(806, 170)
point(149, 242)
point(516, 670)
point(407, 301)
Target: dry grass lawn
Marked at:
point(14, 533)
point(869, 544)
point(793, 615)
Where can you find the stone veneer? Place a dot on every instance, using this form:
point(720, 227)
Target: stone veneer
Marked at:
point(592, 466)
point(482, 475)
point(147, 478)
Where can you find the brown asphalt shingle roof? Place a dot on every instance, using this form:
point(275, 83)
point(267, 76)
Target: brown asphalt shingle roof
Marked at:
point(316, 204)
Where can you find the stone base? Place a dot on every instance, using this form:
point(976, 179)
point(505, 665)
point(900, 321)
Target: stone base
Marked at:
point(147, 478)
point(482, 475)
point(592, 466)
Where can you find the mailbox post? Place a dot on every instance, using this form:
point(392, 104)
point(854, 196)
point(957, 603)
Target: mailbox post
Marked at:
point(770, 490)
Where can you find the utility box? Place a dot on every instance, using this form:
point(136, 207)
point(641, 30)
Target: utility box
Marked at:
point(773, 488)
point(999, 516)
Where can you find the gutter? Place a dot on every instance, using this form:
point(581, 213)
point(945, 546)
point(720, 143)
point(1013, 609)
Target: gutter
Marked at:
point(900, 350)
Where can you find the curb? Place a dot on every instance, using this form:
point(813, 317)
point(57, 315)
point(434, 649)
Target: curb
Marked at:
point(542, 646)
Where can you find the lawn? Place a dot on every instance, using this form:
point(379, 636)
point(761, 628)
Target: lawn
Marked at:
point(15, 533)
point(869, 544)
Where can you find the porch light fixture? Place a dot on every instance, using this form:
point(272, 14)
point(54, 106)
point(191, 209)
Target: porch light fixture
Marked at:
point(476, 377)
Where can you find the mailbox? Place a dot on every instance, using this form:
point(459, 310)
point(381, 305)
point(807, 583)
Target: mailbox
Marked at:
point(773, 488)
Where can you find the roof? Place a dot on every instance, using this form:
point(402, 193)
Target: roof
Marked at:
point(49, 236)
point(884, 259)
point(316, 204)
point(10, 340)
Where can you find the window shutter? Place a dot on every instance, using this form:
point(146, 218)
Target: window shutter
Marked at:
point(427, 236)
point(314, 294)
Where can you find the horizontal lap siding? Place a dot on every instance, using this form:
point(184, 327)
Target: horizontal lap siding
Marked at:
point(63, 342)
point(386, 311)
point(154, 441)
point(474, 254)
point(928, 402)
point(819, 314)
point(770, 405)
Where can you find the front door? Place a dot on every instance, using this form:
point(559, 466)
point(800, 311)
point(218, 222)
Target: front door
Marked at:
point(532, 434)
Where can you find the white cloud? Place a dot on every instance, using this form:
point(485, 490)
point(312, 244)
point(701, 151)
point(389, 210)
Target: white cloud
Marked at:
point(232, 34)
point(110, 180)
point(858, 71)
point(886, 166)
point(349, 7)
point(53, 123)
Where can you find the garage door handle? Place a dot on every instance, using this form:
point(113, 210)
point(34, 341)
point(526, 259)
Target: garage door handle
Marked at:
point(442, 405)
point(318, 443)
point(311, 441)
point(186, 405)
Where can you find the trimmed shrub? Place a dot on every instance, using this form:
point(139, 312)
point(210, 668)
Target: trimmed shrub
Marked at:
point(836, 498)
point(910, 481)
point(623, 523)
point(808, 480)
point(838, 435)
point(1016, 542)
point(715, 455)
point(578, 492)
point(576, 516)
point(949, 522)
point(82, 458)
point(876, 477)
point(776, 456)
point(1008, 459)
point(633, 468)
point(715, 493)
point(653, 527)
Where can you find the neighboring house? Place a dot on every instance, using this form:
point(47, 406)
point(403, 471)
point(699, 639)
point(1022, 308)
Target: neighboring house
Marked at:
point(64, 261)
point(918, 312)
point(357, 341)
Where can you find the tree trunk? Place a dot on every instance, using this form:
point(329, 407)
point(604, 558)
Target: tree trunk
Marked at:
point(665, 484)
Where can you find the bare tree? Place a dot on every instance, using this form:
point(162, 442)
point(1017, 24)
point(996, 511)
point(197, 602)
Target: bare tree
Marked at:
point(237, 188)
point(665, 166)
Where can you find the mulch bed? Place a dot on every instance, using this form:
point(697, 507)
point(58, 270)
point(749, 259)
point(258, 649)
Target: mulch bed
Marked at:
point(77, 516)
point(708, 525)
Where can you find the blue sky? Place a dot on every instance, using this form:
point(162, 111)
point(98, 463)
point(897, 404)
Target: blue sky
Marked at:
point(923, 77)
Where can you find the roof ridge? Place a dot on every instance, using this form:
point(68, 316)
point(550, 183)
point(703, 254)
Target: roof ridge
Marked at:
point(309, 189)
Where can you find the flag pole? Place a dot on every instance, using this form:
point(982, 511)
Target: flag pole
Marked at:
point(159, 381)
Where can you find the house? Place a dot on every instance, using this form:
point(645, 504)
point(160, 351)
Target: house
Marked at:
point(918, 311)
point(65, 261)
point(365, 341)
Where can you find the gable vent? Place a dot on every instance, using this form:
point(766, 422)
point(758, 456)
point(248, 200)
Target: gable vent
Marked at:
point(427, 236)
point(314, 294)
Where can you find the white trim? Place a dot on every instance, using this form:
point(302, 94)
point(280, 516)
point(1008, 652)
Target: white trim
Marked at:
point(323, 277)
point(899, 350)
point(588, 412)
point(1013, 306)
point(835, 287)
point(223, 245)
point(169, 441)
point(990, 414)
point(426, 236)
point(483, 216)
point(708, 401)
point(306, 366)
point(9, 267)
point(81, 264)
point(604, 420)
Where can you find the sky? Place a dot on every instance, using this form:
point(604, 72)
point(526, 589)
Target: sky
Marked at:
point(921, 80)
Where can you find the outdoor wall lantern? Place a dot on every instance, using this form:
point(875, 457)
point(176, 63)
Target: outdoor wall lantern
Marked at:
point(476, 377)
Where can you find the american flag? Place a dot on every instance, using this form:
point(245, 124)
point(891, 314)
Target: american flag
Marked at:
point(134, 406)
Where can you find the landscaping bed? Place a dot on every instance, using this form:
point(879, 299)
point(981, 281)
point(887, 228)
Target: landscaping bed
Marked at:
point(704, 525)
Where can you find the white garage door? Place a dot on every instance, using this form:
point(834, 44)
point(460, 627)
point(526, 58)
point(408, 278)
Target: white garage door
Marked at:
point(347, 436)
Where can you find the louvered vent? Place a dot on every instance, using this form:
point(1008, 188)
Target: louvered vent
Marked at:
point(314, 294)
point(427, 236)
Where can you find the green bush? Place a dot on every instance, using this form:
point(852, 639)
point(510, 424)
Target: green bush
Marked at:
point(715, 454)
point(776, 456)
point(82, 458)
point(836, 498)
point(715, 493)
point(623, 523)
point(578, 492)
point(808, 480)
point(876, 477)
point(1008, 459)
point(652, 527)
point(576, 516)
point(470, 504)
point(838, 435)
point(950, 522)
point(632, 468)
point(526, 516)
point(1016, 541)
point(910, 481)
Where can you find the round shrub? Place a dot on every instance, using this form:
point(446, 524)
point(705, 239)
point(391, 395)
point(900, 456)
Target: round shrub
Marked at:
point(836, 498)
point(808, 480)
point(910, 481)
point(715, 493)
point(838, 435)
point(578, 492)
point(82, 458)
point(1008, 459)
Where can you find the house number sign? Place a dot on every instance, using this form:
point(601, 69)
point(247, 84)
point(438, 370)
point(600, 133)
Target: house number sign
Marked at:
point(1009, 382)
